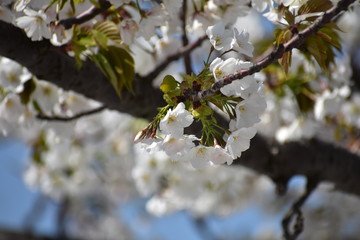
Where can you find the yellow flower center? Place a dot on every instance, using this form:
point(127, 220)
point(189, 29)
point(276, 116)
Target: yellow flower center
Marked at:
point(172, 118)
point(47, 91)
point(12, 77)
point(242, 108)
point(218, 73)
point(217, 42)
point(9, 103)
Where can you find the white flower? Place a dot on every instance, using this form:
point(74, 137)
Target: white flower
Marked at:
point(236, 87)
point(6, 15)
point(220, 38)
point(177, 147)
point(34, 24)
point(260, 5)
point(248, 111)
point(239, 141)
point(128, 29)
point(242, 44)
point(173, 7)
point(244, 88)
point(12, 75)
point(221, 68)
point(46, 95)
point(328, 104)
point(155, 17)
point(11, 108)
point(151, 145)
point(59, 34)
point(220, 156)
point(20, 5)
point(299, 129)
point(200, 156)
point(176, 120)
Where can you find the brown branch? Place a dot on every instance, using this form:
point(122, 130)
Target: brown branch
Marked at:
point(185, 40)
point(278, 52)
point(85, 16)
point(296, 213)
point(315, 157)
point(67, 119)
point(182, 52)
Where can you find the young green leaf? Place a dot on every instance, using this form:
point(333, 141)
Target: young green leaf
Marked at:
point(313, 6)
point(168, 84)
point(117, 65)
point(110, 30)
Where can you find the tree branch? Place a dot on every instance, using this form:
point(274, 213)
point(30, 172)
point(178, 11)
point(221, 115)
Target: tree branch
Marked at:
point(85, 16)
point(67, 119)
point(185, 40)
point(295, 212)
point(278, 52)
point(313, 158)
point(182, 52)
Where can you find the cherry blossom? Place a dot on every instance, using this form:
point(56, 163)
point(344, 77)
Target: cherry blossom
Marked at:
point(242, 44)
point(176, 120)
point(220, 38)
point(35, 24)
point(239, 141)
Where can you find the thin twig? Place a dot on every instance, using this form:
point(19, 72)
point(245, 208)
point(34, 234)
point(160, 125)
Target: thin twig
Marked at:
point(85, 16)
point(278, 52)
point(182, 52)
point(36, 211)
point(185, 40)
point(62, 216)
point(67, 119)
point(296, 213)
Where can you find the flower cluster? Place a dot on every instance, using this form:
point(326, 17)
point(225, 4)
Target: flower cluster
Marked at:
point(244, 99)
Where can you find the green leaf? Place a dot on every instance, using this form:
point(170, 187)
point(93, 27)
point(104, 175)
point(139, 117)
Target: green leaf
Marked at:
point(85, 39)
point(168, 84)
point(95, 3)
point(100, 38)
point(72, 4)
point(205, 110)
point(102, 62)
point(118, 66)
point(313, 6)
point(62, 4)
point(329, 34)
point(321, 50)
point(29, 88)
point(110, 30)
point(282, 36)
point(285, 61)
point(289, 17)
